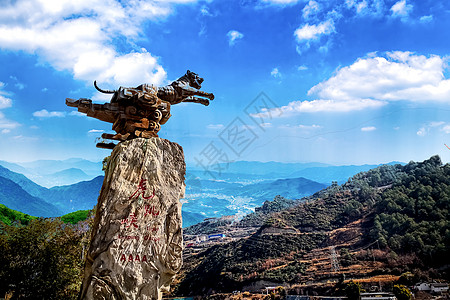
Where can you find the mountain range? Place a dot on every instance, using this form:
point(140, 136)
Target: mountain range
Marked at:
point(20, 193)
point(378, 225)
point(235, 192)
point(50, 173)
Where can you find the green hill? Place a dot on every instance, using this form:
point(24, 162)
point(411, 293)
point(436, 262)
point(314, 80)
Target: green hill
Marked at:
point(403, 211)
point(9, 216)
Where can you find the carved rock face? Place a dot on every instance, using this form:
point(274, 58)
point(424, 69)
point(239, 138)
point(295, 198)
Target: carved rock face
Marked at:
point(136, 246)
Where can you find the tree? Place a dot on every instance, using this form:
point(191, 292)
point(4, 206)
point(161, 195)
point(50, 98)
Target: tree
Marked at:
point(41, 260)
point(402, 292)
point(353, 290)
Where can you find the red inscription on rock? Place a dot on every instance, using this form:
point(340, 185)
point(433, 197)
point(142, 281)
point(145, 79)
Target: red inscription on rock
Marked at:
point(130, 221)
point(141, 190)
point(132, 258)
point(151, 211)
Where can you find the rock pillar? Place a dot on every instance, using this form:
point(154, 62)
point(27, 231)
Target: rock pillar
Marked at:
point(136, 244)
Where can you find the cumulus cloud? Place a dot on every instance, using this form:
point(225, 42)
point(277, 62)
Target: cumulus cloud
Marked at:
point(315, 106)
point(48, 114)
point(366, 7)
point(401, 10)
point(446, 129)
point(426, 19)
point(7, 124)
point(76, 36)
point(5, 101)
point(392, 77)
point(308, 32)
point(280, 2)
point(310, 9)
point(374, 81)
point(368, 128)
point(275, 73)
point(233, 36)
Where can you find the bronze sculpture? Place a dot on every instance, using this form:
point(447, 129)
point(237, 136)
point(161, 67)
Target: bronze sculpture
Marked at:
point(140, 112)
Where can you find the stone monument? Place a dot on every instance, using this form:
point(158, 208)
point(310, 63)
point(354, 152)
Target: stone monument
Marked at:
point(136, 243)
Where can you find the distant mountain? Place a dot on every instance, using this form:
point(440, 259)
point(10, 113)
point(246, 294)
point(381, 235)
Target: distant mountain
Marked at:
point(216, 198)
point(66, 199)
point(53, 166)
point(268, 170)
point(49, 173)
point(333, 173)
point(264, 168)
point(29, 186)
point(190, 218)
point(78, 196)
point(292, 188)
point(13, 167)
point(64, 177)
point(16, 198)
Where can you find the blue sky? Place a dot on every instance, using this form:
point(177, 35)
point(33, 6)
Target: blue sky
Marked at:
point(338, 81)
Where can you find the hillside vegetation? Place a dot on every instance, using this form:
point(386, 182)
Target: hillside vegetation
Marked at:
point(42, 258)
point(402, 211)
point(9, 216)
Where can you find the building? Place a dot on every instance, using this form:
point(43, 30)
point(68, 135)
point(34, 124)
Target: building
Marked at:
point(438, 288)
point(377, 296)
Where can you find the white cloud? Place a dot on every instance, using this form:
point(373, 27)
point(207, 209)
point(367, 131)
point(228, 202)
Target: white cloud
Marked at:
point(215, 126)
point(426, 19)
point(5, 131)
point(18, 84)
point(366, 7)
point(302, 68)
point(308, 32)
point(395, 76)
point(446, 129)
point(48, 114)
point(275, 73)
point(425, 129)
point(301, 126)
point(77, 35)
point(280, 2)
point(96, 131)
point(76, 113)
point(5, 102)
point(373, 82)
point(315, 106)
point(311, 8)
point(401, 10)
point(234, 35)
point(7, 124)
point(368, 128)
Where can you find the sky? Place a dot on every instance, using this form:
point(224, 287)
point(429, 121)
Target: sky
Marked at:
point(337, 81)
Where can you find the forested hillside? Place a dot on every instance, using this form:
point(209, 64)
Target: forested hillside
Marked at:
point(402, 210)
